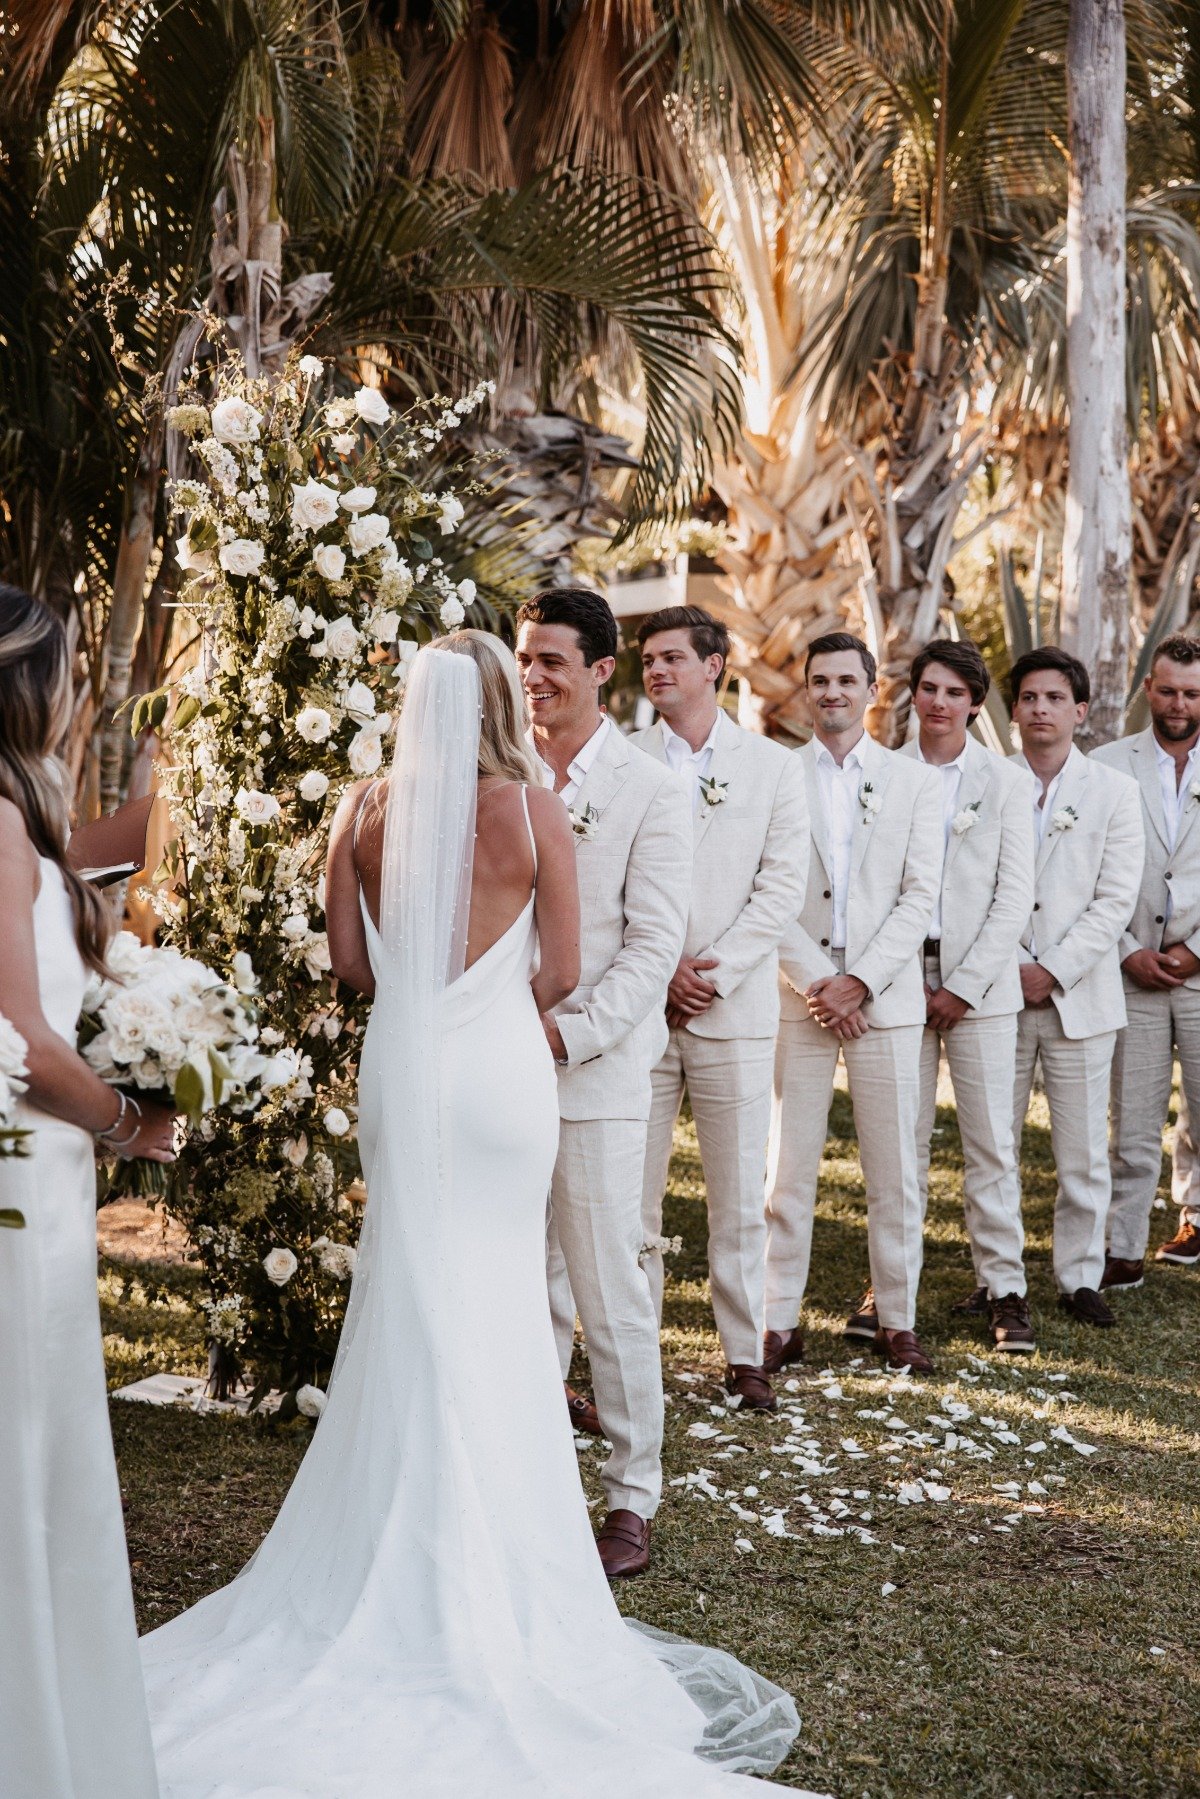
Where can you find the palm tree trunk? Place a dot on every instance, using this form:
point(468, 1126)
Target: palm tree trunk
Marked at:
point(1097, 536)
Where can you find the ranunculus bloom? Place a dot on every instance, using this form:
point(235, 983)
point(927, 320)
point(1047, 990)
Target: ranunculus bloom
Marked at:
point(452, 613)
point(280, 1265)
point(241, 557)
point(466, 592)
point(370, 404)
point(256, 808)
point(359, 499)
point(313, 505)
point(336, 1122)
point(235, 421)
point(329, 561)
point(313, 723)
point(314, 785)
point(367, 533)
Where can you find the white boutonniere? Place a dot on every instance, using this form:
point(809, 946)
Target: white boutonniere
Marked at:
point(870, 801)
point(714, 791)
point(964, 821)
point(1194, 791)
point(584, 823)
point(1065, 819)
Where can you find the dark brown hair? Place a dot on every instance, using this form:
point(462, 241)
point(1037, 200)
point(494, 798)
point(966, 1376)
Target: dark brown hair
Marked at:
point(1060, 663)
point(962, 658)
point(835, 641)
point(1179, 648)
point(588, 613)
point(709, 636)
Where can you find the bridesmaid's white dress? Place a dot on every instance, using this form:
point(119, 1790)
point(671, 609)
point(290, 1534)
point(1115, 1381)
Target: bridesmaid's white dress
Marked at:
point(73, 1722)
point(428, 1617)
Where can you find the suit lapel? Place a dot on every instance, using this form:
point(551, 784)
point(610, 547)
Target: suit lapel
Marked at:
point(606, 775)
point(972, 788)
point(876, 771)
point(1145, 766)
point(818, 824)
point(1074, 780)
point(720, 769)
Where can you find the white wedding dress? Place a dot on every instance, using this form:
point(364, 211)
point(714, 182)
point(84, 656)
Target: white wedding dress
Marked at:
point(428, 1617)
point(73, 1721)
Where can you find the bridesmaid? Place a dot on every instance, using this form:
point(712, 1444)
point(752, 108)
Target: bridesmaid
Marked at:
point(73, 1719)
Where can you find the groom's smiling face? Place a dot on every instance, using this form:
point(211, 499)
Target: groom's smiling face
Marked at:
point(561, 689)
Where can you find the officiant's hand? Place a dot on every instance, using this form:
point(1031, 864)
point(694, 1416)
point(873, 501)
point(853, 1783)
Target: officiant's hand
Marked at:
point(688, 992)
point(558, 1048)
point(835, 997)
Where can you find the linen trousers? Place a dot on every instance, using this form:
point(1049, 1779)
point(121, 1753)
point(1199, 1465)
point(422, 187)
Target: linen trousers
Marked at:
point(1160, 1026)
point(1185, 1167)
point(728, 1081)
point(1075, 1073)
point(883, 1070)
point(981, 1056)
point(594, 1241)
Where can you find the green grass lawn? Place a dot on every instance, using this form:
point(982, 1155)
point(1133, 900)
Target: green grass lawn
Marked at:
point(1028, 1584)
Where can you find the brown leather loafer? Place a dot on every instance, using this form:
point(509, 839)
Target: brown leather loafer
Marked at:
point(624, 1544)
point(751, 1386)
point(781, 1348)
point(1011, 1326)
point(901, 1349)
point(975, 1305)
point(584, 1415)
point(1086, 1305)
point(1183, 1249)
point(863, 1321)
point(1121, 1274)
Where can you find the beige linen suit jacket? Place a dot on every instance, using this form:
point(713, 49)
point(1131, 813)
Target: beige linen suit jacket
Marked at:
point(1086, 887)
point(987, 882)
point(635, 881)
point(1173, 874)
point(895, 868)
point(748, 875)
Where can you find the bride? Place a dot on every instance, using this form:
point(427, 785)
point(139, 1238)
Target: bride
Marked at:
point(428, 1616)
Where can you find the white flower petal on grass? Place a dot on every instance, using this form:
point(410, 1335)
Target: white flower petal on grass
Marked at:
point(743, 1545)
point(280, 1265)
point(466, 592)
point(370, 405)
point(310, 1402)
point(889, 1586)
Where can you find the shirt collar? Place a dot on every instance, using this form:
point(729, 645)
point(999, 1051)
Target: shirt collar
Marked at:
point(670, 736)
point(582, 761)
point(959, 762)
point(1165, 757)
point(852, 759)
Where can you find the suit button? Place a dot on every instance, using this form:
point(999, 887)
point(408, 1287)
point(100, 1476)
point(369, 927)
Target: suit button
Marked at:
point(1168, 875)
point(828, 894)
point(1159, 919)
point(824, 943)
point(1037, 905)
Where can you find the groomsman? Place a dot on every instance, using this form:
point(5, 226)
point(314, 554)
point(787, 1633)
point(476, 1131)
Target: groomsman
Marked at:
point(851, 968)
point(1087, 820)
point(633, 830)
point(1159, 959)
point(1183, 1250)
point(751, 858)
point(972, 975)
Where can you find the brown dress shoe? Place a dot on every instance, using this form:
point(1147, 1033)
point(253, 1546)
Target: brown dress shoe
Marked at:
point(584, 1415)
point(1183, 1249)
point(751, 1386)
point(624, 1544)
point(1010, 1324)
point(863, 1321)
point(1086, 1305)
point(900, 1349)
point(781, 1348)
point(1121, 1274)
point(975, 1305)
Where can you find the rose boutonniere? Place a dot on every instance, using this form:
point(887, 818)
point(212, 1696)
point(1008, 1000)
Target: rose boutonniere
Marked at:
point(1065, 819)
point(584, 823)
point(870, 801)
point(964, 821)
point(1194, 791)
point(714, 792)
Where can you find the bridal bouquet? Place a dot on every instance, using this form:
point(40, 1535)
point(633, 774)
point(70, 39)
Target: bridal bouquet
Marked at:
point(14, 1140)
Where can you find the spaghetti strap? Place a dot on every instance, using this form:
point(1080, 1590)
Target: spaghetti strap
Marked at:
point(529, 828)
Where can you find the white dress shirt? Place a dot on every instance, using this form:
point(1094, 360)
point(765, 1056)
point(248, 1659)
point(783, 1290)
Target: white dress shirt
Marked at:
point(579, 765)
point(951, 773)
point(692, 764)
point(1174, 795)
point(839, 796)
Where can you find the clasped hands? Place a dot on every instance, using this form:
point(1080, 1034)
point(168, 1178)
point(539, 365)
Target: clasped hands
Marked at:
point(836, 1002)
point(1158, 970)
point(689, 994)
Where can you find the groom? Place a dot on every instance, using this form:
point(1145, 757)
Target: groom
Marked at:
point(633, 830)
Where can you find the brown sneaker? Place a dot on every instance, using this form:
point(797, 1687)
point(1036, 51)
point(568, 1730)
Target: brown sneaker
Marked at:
point(1121, 1275)
point(584, 1415)
point(624, 1544)
point(1183, 1249)
point(864, 1319)
point(975, 1305)
point(781, 1348)
point(1011, 1329)
point(901, 1349)
point(1086, 1305)
point(751, 1386)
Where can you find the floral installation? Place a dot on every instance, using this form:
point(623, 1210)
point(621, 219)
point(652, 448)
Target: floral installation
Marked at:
point(965, 820)
point(1065, 819)
point(316, 556)
point(870, 801)
point(714, 792)
point(584, 823)
point(15, 1140)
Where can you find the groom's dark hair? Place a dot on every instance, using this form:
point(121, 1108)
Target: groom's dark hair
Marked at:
point(588, 613)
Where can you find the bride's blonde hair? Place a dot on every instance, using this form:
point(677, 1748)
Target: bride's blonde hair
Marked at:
point(503, 750)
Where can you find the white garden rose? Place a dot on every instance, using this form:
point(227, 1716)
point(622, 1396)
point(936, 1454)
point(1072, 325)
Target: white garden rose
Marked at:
point(450, 513)
point(341, 640)
point(256, 808)
point(310, 1401)
point(370, 405)
point(466, 592)
point(313, 723)
point(315, 956)
point(359, 499)
point(295, 927)
point(336, 1122)
point(329, 561)
point(235, 421)
point(280, 1265)
point(311, 367)
point(241, 557)
point(192, 562)
point(359, 702)
point(452, 613)
point(337, 1259)
point(314, 786)
point(366, 751)
point(368, 532)
point(314, 505)
point(244, 977)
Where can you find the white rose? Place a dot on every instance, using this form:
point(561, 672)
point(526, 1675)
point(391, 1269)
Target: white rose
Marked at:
point(235, 422)
point(314, 785)
point(312, 367)
point(310, 1401)
point(241, 557)
point(316, 957)
point(370, 405)
point(367, 533)
point(280, 1265)
point(450, 513)
point(329, 561)
point(256, 808)
point(366, 752)
point(385, 627)
point(295, 927)
point(452, 613)
point(313, 505)
point(466, 592)
point(192, 562)
point(313, 723)
point(336, 1122)
point(359, 702)
point(244, 977)
point(341, 640)
point(359, 499)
